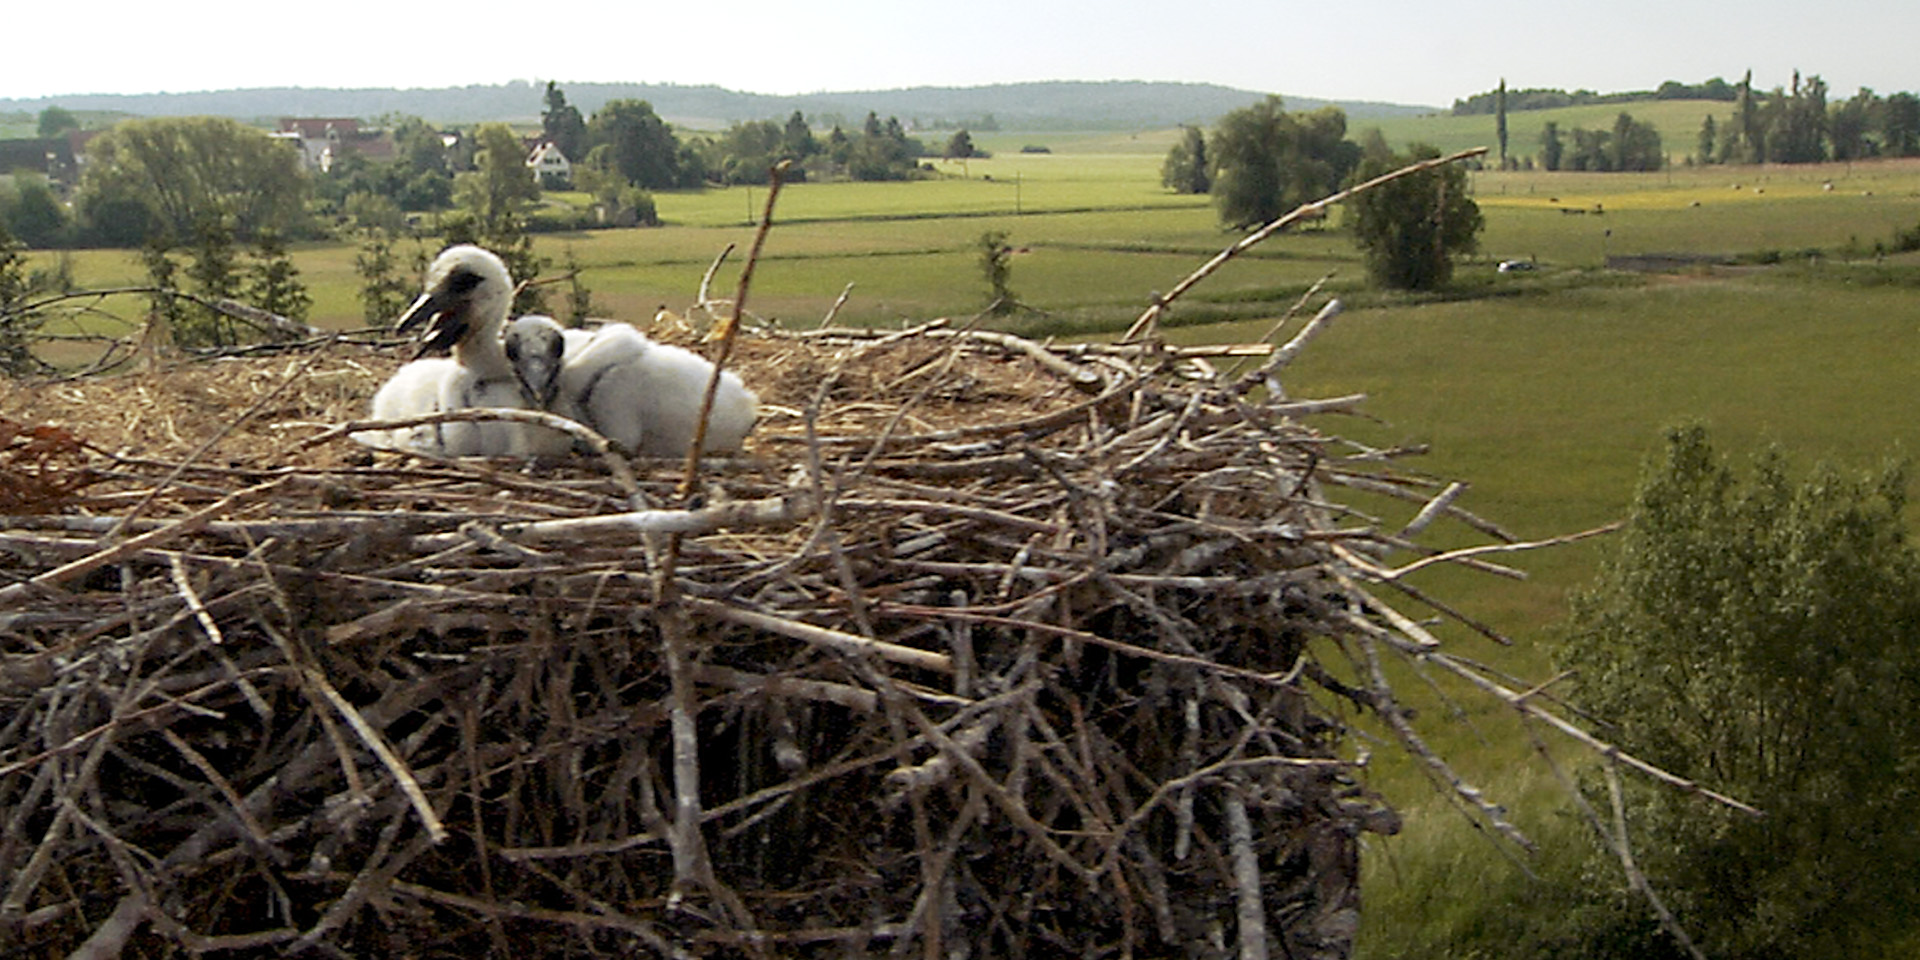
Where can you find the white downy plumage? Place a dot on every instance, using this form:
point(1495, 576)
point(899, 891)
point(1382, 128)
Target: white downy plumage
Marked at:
point(463, 309)
point(642, 395)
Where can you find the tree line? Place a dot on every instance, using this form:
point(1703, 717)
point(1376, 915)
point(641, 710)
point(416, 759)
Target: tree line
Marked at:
point(160, 179)
point(1794, 124)
point(1261, 162)
point(1547, 98)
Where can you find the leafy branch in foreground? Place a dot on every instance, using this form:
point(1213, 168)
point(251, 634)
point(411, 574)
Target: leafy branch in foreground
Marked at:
point(1762, 634)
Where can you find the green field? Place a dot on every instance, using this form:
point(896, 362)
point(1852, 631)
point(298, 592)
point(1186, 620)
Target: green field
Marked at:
point(1545, 390)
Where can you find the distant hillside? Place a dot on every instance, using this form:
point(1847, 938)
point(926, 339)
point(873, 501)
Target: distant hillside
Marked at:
point(1057, 105)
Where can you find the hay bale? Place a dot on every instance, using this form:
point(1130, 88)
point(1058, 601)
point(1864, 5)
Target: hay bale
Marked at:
point(985, 649)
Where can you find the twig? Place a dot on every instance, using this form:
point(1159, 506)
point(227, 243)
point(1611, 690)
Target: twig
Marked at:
point(730, 331)
point(1145, 323)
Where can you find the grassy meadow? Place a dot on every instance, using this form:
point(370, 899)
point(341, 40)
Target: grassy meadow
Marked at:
point(1546, 390)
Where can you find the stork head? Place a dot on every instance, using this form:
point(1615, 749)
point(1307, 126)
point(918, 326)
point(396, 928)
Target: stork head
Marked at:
point(535, 345)
point(468, 293)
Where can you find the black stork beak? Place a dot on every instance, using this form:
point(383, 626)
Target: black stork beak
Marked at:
point(445, 310)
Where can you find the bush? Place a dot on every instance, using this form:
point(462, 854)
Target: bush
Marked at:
point(1762, 636)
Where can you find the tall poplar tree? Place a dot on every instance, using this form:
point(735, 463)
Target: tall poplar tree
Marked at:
point(1500, 119)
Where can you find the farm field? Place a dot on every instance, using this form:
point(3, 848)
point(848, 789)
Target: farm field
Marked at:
point(1546, 390)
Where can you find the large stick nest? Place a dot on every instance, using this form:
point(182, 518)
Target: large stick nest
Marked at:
point(985, 649)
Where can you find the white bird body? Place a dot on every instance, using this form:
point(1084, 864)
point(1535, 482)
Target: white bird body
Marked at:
point(468, 294)
point(643, 396)
point(413, 390)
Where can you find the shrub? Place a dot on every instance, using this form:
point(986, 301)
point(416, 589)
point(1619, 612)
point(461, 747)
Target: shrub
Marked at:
point(1762, 636)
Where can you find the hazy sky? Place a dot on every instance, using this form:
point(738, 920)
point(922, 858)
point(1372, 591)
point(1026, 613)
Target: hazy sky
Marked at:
point(1423, 52)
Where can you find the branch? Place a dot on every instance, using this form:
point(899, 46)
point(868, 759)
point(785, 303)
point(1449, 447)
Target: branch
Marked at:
point(1145, 324)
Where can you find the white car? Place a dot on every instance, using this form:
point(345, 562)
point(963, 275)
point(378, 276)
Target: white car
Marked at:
point(1514, 266)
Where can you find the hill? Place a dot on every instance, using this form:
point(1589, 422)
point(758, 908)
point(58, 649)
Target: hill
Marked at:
point(1052, 105)
point(1677, 120)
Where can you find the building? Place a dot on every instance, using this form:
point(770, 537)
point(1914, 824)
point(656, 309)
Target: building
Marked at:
point(322, 140)
point(549, 164)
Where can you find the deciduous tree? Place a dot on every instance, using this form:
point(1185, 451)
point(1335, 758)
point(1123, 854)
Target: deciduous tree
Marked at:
point(1761, 635)
point(1267, 161)
point(185, 170)
point(1553, 149)
point(503, 184)
point(34, 214)
point(1186, 169)
point(960, 146)
point(55, 121)
point(1412, 229)
point(640, 145)
point(1900, 125)
point(996, 267)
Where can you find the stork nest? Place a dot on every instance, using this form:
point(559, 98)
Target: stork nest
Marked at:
point(984, 648)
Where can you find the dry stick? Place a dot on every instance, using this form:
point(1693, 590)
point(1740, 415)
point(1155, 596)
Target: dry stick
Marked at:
point(616, 465)
point(731, 331)
point(1455, 556)
point(1293, 311)
point(200, 451)
point(1434, 766)
point(496, 909)
point(834, 310)
point(851, 644)
point(1526, 706)
point(706, 279)
point(1145, 324)
point(185, 585)
point(1286, 353)
point(371, 737)
point(182, 527)
point(1634, 877)
point(1607, 839)
point(1250, 909)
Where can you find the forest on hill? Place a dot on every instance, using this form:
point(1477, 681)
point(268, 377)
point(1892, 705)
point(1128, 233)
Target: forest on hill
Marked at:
point(1052, 105)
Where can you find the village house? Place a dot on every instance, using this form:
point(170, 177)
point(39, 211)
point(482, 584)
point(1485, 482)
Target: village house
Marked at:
point(549, 165)
point(322, 140)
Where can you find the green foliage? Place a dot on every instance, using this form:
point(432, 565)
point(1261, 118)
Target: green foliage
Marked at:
point(162, 275)
point(996, 266)
point(639, 146)
point(1762, 635)
point(502, 186)
point(1631, 146)
point(16, 323)
point(1268, 161)
point(385, 289)
point(187, 170)
point(748, 151)
point(1411, 230)
point(367, 210)
point(213, 271)
point(1553, 149)
point(1500, 120)
point(417, 179)
point(1900, 125)
point(1186, 169)
point(561, 123)
point(33, 214)
point(55, 121)
point(960, 146)
point(273, 282)
point(579, 297)
point(882, 151)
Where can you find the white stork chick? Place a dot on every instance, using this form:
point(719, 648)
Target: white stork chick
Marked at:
point(646, 396)
point(537, 346)
point(468, 294)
